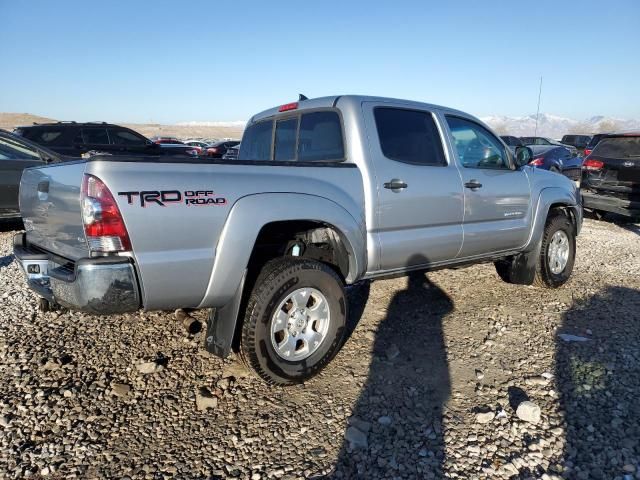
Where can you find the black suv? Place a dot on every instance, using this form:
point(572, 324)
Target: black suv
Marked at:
point(74, 139)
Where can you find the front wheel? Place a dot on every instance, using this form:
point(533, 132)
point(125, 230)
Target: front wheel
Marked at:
point(294, 321)
point(557, 253)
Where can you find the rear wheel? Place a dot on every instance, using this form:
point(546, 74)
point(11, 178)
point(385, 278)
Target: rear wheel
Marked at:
point(557, 253)
point(294, 321)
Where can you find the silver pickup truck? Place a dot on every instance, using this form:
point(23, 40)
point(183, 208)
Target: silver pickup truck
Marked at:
point(326, 192)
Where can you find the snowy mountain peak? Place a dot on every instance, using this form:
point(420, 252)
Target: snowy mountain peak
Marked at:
point(554, 126)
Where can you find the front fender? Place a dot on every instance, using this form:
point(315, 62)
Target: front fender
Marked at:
point(548, 197)
point(247, 217)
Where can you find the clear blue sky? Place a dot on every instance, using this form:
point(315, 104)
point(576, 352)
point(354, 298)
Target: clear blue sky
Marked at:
point(224, 60)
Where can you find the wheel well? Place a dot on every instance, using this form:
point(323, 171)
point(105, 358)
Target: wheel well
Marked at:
point(563, 209)
point(303, 238)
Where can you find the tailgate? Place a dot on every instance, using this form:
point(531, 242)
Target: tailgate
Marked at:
point(50, 208)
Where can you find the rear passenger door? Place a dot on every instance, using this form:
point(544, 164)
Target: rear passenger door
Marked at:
point(496, 195)
point(419, 209)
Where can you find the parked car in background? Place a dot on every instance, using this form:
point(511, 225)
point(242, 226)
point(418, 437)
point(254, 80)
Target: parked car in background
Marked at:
point(218, 149)
point(232, 153)
point(512, 141)
point(611, 176)
point(579, 142)
point(16, 154)
point(170, 140)
point(546, 141)
point(74, 139)
point(557, 159)
point(593, 142)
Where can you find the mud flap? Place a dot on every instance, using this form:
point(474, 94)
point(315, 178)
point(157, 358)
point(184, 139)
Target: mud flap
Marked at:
point(221, 324)
point(523, 266)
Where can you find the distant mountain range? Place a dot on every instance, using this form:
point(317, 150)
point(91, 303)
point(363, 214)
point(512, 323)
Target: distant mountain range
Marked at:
point(555, 127)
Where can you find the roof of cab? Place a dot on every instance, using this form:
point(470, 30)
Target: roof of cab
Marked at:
point(332, 101)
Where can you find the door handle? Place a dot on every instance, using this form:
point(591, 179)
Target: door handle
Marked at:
point(395, 184)
point(473, 184)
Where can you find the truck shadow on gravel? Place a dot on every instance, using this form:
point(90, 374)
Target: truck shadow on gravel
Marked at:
point(396, 427)
point(599, 385)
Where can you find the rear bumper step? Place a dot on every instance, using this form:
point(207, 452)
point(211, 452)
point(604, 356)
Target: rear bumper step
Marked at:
point(101, 285)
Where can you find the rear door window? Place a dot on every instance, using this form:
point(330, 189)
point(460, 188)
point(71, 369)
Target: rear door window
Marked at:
point(320, 137)
point(285, 142)
point(409, 136)
point(256, 141)
point(96, 136)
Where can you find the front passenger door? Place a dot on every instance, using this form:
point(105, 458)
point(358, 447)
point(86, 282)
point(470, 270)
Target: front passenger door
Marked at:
point(497, 210)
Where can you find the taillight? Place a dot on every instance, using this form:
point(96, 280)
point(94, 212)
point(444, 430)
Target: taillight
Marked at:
point(288, 106)
point(591, 164)
point(212, 150)
point(103, 223)
point(537, 162)
point(587, 152)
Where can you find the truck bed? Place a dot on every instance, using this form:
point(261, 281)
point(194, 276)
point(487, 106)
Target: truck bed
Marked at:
point(174, 212)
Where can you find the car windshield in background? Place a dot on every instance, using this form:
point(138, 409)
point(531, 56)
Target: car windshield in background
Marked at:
point(618, 147)
point(12, 150)
point(310, 137)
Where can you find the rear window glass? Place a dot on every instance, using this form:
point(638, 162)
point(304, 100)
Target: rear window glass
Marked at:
point(256, 141)
point(95, 135)
point(285, 147)
point(318, 137)
point(618, 147)
point(409, 136)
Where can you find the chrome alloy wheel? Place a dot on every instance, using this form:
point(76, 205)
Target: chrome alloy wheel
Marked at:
point(558, 252)
point(300, 324)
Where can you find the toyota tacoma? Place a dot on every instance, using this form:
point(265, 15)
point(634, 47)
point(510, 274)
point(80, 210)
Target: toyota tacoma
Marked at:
point(325, 192)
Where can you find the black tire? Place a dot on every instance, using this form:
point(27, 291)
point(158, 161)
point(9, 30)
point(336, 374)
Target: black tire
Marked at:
point(276, 281)
point(544, 275)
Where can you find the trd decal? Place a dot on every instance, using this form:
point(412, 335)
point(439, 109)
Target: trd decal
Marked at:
point(168, 197)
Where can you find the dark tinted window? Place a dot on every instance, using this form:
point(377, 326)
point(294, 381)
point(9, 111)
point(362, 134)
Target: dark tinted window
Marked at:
point(53, 136)
point(618, 147)
point(476, 146)
point(95, 136)
point(256, 142)
point(320, 137)
point(285, 147)
point(125, 137)
point(409, 136)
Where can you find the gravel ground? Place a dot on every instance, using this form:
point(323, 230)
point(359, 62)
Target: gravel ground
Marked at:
point(453, 374)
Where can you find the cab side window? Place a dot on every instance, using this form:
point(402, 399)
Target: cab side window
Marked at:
point(409, 136)
point(476, 146)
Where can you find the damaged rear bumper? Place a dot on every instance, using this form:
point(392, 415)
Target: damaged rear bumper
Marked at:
point(100, 285)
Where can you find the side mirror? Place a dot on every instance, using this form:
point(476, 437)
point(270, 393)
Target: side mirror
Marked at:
point(523, 156)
